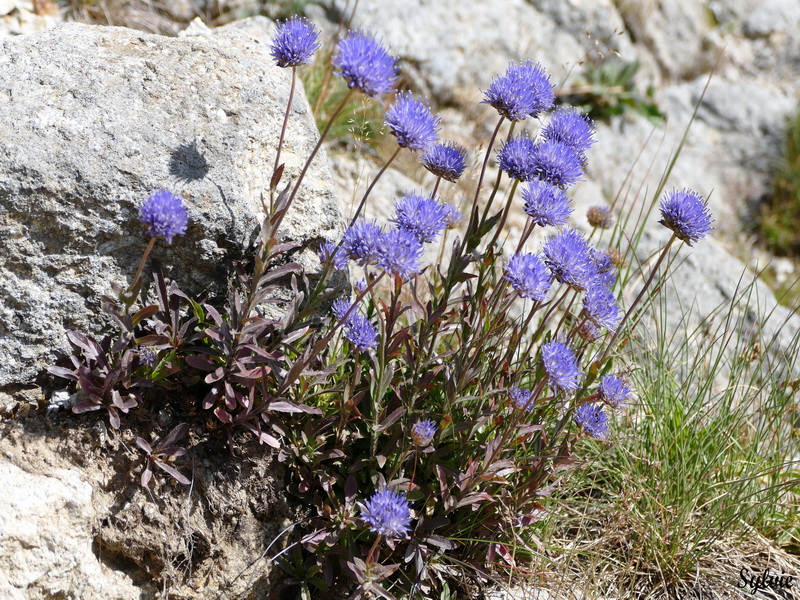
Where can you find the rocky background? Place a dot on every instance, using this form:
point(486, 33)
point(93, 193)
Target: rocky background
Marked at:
point(93, 119)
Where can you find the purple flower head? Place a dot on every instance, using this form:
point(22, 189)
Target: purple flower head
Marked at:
point(606, 273)
point(446, 160)
point(614, 391)
point(601, 306)
point(570, 127)
point(561, 365)
point(557, 163)
point(340, 307)
point(399, 253)
point(164, 214)
point(421, 216)
point(523, 92)
point(294, 43)
point(148, 356)
point(361, 285)
point(422, 432)
point(522, 398)
point(365, 64)
point(528, 276)
point(591, 418)
point(411, 122)
point(387, 513)
point(329, 251)
point(546, 204)
point(361, 242)
point(686, 213)
point(568, 257)
point(360, 332)
point(452, 217)
point(516, 158)
point(599, 216)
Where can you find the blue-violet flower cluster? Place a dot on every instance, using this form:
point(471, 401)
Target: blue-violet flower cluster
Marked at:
point(446, 160)
point(686, 213)
point(294, 43)
point(546, 204)
point(422, 432)
point(387, 513)
point(528, 275)
point(591, 418)
point(523, 92)
point(561, 365)
point(165, 215)
point(411, 122)
point(365, 64)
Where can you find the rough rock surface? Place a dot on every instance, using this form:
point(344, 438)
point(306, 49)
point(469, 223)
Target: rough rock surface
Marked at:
point(76, 524)
point(94, 119)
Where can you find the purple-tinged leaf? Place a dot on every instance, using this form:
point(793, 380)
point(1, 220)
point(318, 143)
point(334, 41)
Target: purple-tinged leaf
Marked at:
point(201, 362)
point(391, 419)
point(113, 417)
point(147, 311)
point(62, 372)
point(146, 475)
point(211, 398)
point(218, 374)
point(142, 443)
point(223, 415)
point(177, 475)
point(86, 406)
point(173, 436)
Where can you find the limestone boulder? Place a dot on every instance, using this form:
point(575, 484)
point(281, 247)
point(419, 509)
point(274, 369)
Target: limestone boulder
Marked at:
point(95, 119)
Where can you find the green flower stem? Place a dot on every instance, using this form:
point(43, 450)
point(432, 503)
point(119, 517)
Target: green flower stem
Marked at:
point(638, 298)
point(372, 185)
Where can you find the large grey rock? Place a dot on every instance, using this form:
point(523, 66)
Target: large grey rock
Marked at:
point(773, 16)
point(47, 536)
point(94, 119)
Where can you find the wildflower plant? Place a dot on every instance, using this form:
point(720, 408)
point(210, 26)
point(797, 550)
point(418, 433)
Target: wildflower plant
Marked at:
point(424, 419)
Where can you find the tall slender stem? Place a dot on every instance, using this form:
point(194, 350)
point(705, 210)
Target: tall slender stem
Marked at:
point(141, 262)
point(638, 298)
point(311, 158)
point(473, 219)
point(372, 185)
point(285, 123)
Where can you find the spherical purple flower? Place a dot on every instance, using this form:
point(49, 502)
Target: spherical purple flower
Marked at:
point(602, 261)
point(361, 285)
point(411, 122)
point(452, 217)
point(421, 216)
point(557, 163)
point(361, 242)
point(528, 276)
point(294, 43)
point(686, 213)
point(523, 92)
point(164, 214)
point(148, 356)
point(601, 306)
point(570, 127)
point(340, 307)
point(399, 253)
point(422, 432)
point(387, 513)
point(522, 398)
point(614, 391)
point(516, 158)
point(561, 365)
point(546, 204)
point(591, 418)
point(446, 160)
point(365, 64)
point(329, 251)
point(360, 332)
point(569, 260)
